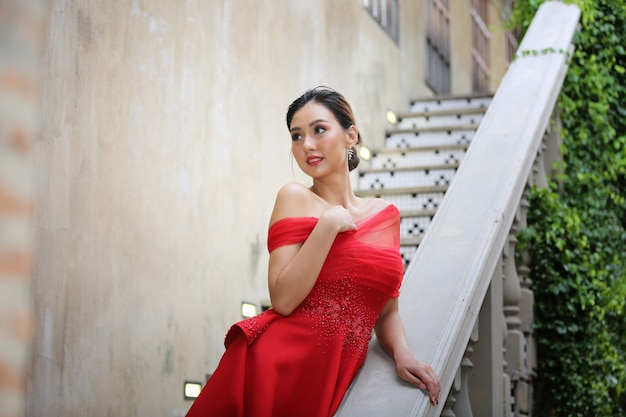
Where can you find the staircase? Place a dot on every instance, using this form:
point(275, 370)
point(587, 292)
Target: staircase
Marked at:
point(421, 155)
point(466, 299)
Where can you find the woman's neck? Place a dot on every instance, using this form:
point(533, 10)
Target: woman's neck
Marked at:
point(338, 193)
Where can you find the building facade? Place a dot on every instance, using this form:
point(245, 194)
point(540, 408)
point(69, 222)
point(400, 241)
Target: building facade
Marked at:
point(163, 146)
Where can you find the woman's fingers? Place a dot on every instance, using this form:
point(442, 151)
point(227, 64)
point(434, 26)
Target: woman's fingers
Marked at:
point(340, 216)
point(432, 384)
point(424, 378)
point(412, 379)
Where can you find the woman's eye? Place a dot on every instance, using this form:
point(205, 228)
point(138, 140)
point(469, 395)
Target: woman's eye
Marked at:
point(320, 129)
point(296, 137)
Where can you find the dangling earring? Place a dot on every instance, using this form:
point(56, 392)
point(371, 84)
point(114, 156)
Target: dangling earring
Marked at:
point(350, 153)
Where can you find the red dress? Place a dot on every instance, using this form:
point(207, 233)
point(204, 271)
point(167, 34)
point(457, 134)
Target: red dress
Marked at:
point(302, 364)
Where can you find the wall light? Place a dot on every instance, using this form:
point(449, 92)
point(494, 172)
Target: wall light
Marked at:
point(191, 390)
point(248, 309)
point(391, 117)
point(365, 153)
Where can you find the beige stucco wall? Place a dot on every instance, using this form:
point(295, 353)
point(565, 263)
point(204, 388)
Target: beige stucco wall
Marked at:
point(163, 146)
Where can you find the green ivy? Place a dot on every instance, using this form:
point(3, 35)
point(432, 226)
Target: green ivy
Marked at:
point(577, 227)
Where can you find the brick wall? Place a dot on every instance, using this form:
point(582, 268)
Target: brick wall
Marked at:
point(21, 36)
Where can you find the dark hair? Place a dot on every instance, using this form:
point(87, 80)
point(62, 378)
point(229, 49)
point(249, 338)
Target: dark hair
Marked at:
point(337, 104)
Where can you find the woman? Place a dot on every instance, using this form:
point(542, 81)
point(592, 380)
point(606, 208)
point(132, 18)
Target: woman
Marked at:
point(334, 276)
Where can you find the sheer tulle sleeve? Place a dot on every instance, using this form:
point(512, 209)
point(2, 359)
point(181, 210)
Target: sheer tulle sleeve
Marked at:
point(381, 236)
point(289, 230)
point(384, 231)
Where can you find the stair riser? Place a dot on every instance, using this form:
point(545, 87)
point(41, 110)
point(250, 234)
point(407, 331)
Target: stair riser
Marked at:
point(437, 121)
point(425, 201)
point(407, 253)
point(409, 140)
point(405, 179)
point(451, 104)
point(414, 226)
point(402, 159)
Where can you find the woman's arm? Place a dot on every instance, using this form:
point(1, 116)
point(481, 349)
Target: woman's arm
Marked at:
point(391, 336)
point(293, 269)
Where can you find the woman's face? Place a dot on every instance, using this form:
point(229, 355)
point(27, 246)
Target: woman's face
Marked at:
point(318, 142)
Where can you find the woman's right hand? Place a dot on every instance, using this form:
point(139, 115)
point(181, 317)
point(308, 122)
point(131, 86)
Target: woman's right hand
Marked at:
point(339, 217)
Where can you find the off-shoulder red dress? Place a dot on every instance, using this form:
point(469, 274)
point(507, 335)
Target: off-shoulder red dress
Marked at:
point(301, 365)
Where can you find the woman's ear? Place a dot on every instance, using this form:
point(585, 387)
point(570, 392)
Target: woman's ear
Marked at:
point(353, 135)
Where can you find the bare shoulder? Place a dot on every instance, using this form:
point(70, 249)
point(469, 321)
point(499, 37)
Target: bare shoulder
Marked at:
point(378, 204)
point(369, 206)
point(293, 200)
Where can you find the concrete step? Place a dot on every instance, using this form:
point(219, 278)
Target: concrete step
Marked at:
point(419, 156)
point(405, 177)
point(414, 227)
point(410, 138)
point(450, 102)
point(424, 199)
point(410, 191)
point(441, 118)
point(408, 247)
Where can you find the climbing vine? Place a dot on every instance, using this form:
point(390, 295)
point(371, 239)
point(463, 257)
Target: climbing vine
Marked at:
point(577, 227)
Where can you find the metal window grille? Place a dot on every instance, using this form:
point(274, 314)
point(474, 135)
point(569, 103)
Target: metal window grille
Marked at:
point(386, 13)
point(438, 46)
point(480, 46)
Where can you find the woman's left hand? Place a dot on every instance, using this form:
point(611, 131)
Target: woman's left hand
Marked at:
point(420, 374)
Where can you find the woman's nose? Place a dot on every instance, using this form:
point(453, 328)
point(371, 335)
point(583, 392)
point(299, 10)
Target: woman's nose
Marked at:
point(309, 144)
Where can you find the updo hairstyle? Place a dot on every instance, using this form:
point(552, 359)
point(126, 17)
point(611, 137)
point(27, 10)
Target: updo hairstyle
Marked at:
point(337, 104)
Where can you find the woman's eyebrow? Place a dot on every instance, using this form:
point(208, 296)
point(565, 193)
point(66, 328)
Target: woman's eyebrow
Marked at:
point(317, 121)
point(310, 124)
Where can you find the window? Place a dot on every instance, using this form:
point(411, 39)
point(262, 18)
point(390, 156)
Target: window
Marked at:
point(438, 46)
point(511, 45)
point(480, 47)
point(385, 12)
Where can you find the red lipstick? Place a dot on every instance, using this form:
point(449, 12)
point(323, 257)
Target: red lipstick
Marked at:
point(314, 160)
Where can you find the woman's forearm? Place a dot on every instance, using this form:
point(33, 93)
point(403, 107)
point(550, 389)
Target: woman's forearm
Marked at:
point(391, 334)
point(290, 285)
point(392, 337)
